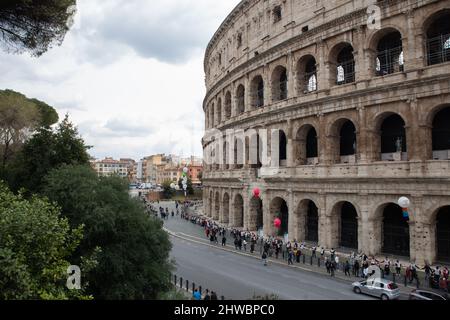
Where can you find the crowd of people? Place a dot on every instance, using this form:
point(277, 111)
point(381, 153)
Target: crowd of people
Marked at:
point(356, 265)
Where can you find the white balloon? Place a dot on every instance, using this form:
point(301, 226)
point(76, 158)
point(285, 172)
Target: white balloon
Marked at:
point(185, 170)
point(404, 202)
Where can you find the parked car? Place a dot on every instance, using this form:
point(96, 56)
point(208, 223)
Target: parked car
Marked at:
point(380, 288)
point(427, 295)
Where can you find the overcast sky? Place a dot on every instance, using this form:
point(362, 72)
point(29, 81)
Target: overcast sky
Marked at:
point(129, 73)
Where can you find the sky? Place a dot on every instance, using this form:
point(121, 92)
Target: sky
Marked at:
point(129, 74)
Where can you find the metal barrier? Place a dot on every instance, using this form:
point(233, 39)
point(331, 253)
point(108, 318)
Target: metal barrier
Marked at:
point(178, 282)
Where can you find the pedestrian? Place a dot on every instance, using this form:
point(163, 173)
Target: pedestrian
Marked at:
point(332, 267)
point(252, 246)
point(213, 296)
point(398, 267)
point(327, 265)
point(240, 243)
point(314, 252)
point(297, 256)
point(196, 295)
point(322, 253)
point(290, 257)
point(336, 260)
point(347, 268)
point(332, 252)
point(207, 296)
point(264, 258)
point(244, 243)
point(236, 243)
point(224, 241)
point(356, 268)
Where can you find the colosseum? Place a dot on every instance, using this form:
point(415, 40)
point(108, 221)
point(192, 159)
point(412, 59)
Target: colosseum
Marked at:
point(355, 97)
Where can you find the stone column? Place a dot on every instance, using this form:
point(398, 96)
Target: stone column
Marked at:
point(291, 215)
point(291, 76)
point(412, 43)
point(361, 68)
point(267, 86)
point(246, 198)
point(290, 161)
point(323, 74)
point(267, 217)
point(247, 96)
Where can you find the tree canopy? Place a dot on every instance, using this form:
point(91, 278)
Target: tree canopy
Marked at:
point(45, 150)
point(34, 25)
point(35, 246)
point(134, 259)
point(19, 118)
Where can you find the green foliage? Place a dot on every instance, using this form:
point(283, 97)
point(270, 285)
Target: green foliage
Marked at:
point(168, 192)
point(35, 243)
point(34, 25)
point(19, 116)
point(47, 149)
point(134, 262)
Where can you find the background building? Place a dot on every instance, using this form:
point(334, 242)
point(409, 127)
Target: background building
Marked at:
point(352, 115)
point(109, 167)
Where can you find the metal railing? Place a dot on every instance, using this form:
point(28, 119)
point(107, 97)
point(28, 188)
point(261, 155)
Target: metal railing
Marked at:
point(389, 61)
point(188, 286)
point(438, 49)
point(345, 72)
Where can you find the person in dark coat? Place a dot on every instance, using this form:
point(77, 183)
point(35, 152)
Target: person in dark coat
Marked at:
point(213, 296)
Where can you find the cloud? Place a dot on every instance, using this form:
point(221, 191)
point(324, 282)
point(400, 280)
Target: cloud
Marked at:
point(129, 73)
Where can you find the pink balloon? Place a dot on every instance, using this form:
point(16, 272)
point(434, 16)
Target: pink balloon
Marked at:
point(277, 223)
point(256, 192)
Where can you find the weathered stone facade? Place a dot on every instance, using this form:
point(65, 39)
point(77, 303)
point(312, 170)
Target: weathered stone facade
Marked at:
point(312, 69)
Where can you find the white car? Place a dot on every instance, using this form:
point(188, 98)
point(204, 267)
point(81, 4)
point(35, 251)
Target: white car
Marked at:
point(380, 288)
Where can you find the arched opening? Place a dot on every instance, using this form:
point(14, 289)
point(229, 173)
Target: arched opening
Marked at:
point(348, 226)
point(212, 120)
point(282, 148)
point(226, 209)
point(226, 158)
point(438, 39)
point(279, 209)
point(345, 65)
point(240, 94)
point(312, 151)
point(441, 135)
point(216, 212)
point(211, 204)
point(228, 105)
point(257, 92)
point(347, 143)
point(306, 147)
point(312, 223)
point(443, 234)
point(307, 74)
point(219, 111)
point(239, 153)
point(395, 231)
point(389, 54)
point(255, 151)
point(238, 212)
point(256, 214)
point(279, 84)
point(393, 139)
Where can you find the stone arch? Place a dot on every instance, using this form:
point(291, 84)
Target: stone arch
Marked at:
point(240, 99)
point(279, 84)
point(238, 211)
point(342, 137)
point(436, 29)
point(256, 221)
point(279, 208)
point(257, 91)
point(440, 233)
point(345, 229)
point(306, 221)
point(439, 120)
point(388, 47)
point(390, 136)
point(211, 204)
point(225, 208)
point(216, 212)
point(306, 74)
point(227, 105)
point(392, 231)
point(306, 146)
point(342, 64)
point(219, 111)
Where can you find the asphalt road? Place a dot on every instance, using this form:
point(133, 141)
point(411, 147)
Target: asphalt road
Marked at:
point(239, 277)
